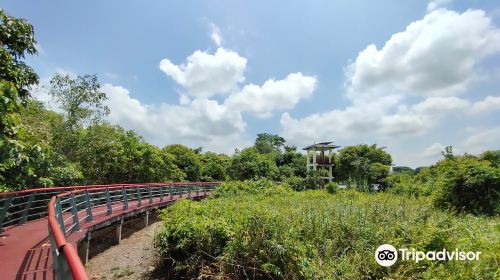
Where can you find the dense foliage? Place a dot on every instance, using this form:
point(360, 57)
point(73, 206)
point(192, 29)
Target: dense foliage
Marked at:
point(258, 230)
point(19, 161)
point(461, 183)
point(363, 166)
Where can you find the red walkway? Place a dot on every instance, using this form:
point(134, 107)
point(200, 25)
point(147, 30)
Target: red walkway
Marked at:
point(25, 249)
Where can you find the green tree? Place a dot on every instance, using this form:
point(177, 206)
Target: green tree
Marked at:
point(468, 184)
point(81, 98)
point(214, 166)
point(269, 143)
point(250, 164)
point(448, 152)
point(16, 40)
point(356, 163)
point(403, 169)
point(186, 160)
point(491, 156)
point(83, 104)
point(21, 164)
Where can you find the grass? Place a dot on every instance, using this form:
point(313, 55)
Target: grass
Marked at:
point(119, 272)
point(317, 235)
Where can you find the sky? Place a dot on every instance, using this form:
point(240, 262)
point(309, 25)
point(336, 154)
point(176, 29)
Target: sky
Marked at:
point(411, 76)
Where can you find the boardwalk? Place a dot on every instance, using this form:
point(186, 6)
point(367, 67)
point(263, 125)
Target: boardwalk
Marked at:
point(25, 250)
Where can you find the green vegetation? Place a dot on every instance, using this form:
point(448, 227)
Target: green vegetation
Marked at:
point(460, 183)
point(363, 166)
point(260, 230)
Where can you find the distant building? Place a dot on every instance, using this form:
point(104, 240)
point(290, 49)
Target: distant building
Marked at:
point(317, 159)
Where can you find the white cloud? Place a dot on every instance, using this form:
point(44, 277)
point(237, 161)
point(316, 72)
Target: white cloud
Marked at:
point(216, 35)
point(436, 4)
point(408, 87)
point(490, 103)
point(201, 122)
point(434, 56)
point(375, 118)
point(205, 75)
point(433, 150)
point(483, 139)
point(273, 95)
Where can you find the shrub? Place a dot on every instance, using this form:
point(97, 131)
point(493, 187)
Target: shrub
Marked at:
point(296, 183)
point(44, 183)
point(314, 181)
point(332, 187)
point(257, 187)
point(67, 175)
point(404, 184)
point(471, 185)
point(313, 235)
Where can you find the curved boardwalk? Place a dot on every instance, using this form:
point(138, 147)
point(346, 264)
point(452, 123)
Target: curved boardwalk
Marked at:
point(25, 251)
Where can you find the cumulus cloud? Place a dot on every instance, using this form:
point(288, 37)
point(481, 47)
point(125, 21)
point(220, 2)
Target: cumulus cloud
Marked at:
point(273, 95)
point(374, 118)
point(434, 150)
point(436, 4)
point(216, 35)
point(434, 56)
point(410, 85)
point(200, 122)
point(490, 103)
point(483, 139)
point(205, 75)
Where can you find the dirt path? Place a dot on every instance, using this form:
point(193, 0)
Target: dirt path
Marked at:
point(134, 258)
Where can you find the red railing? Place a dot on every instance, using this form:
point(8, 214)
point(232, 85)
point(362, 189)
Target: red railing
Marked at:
point(73, 208)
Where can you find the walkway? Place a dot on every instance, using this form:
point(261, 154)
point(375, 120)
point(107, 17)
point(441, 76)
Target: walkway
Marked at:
point(25, 250)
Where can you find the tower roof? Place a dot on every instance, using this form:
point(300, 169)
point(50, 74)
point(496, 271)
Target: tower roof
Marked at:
point(321, 146)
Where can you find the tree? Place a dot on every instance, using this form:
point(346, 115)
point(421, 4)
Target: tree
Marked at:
point(21, 164)
point(357, 163)
point(468, 184)
point(186, 160)
point(83, 103)
point(250, 164)
point(269, 143)
point(491, 156)
point(403, 169)
point(448, 152)
point(214, 166)
point(80, 98)
point(16, 40)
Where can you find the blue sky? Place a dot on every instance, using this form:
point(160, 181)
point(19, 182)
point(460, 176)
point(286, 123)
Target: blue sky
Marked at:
point(413, 76)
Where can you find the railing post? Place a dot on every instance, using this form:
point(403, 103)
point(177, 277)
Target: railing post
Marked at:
point(125, 200)
point(108, 202)
point(150, 195)
point(170, 192)
point(74, 211)
point(139, 198)
point(197, 190)
point(189, 191)
point(5, 209)
point(90, 218)
point(59, 215)
point(27, 206)
point(204, 190)
point(161, 193)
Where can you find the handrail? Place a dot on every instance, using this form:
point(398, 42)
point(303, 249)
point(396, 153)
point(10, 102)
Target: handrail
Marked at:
point(65, 257)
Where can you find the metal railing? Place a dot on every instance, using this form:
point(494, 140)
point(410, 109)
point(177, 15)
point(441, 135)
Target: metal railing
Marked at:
point(72, 208)
point(17, 208)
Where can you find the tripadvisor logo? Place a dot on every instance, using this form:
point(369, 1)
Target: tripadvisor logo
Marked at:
point(387, 255)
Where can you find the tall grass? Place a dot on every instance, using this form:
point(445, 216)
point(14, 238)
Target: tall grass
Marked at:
point(317, 235)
